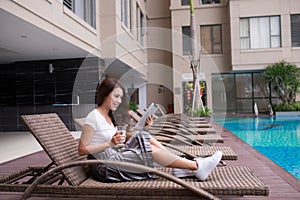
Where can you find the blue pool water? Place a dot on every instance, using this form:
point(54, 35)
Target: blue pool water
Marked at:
point(277, 139)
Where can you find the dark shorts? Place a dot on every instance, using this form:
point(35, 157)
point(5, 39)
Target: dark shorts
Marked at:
point(137, 150)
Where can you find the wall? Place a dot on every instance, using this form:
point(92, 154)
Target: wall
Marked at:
point(34, 90)
point(160, 66)
point(118, 41)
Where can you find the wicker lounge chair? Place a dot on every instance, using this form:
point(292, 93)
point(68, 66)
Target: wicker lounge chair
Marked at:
point(181, 124)
point(185, 130)
point(175, 134)
point(67, 165)
point(186, 118)
point(171, 135)
point(184, 127)
point(169, 121)
point(61, 147)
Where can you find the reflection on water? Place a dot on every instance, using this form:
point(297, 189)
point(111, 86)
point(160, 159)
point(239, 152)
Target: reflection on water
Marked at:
point(279, 140)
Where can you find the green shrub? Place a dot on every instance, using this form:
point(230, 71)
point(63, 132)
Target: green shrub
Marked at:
point(199, 112)
point(133, 105)
point(287, 107)
point(285, 80)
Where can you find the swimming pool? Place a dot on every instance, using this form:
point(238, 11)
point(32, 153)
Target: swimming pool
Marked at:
point(277, 139)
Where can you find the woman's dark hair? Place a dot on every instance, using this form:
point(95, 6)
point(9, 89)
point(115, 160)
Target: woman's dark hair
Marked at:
point(119, 116)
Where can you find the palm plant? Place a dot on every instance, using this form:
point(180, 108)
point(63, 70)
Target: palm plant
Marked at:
point(284, 79)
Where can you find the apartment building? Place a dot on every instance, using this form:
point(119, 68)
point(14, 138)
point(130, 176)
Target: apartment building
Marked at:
point(237, 40)
point(54, 52)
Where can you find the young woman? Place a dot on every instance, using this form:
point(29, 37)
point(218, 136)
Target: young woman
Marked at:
point(99, 140)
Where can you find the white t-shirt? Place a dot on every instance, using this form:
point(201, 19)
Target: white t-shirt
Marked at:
point(103, 130)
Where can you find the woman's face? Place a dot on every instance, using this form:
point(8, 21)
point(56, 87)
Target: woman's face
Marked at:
point(114, 99)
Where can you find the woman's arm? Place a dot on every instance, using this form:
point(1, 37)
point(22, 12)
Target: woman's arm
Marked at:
point(85, 147)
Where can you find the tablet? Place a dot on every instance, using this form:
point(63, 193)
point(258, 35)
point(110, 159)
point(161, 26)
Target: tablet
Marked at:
point(150, 111)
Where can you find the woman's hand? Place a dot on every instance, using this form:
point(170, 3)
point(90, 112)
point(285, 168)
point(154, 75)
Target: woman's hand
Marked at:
point(149, 121)
point(117, 139)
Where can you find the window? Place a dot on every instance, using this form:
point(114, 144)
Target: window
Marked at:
point(186, 40)
point(130, 14)
point(84, 9)
point(260, 32)
point(124, 12)
point(142, 27)
point(237, 92)
point(137, 18)
point(68, 3)
point(209, 1)
point(223, 93)
point(185, 2)
point(295, 26)
point(211, 39)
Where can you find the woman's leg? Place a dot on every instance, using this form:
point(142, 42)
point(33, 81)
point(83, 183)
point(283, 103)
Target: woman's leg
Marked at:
point(168, 159)
point(200, 167)
point(156, 143)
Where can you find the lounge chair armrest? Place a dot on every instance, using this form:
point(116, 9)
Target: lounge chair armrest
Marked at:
point(139, 168)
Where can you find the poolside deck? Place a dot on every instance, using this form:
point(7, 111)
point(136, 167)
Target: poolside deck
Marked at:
point(282, 184)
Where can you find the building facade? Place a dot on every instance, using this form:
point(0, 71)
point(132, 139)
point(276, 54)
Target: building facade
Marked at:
point(53, 53)
point(237, 40)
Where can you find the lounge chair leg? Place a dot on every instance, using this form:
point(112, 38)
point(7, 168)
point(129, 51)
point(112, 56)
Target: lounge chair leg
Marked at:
point(223, 163)
point(45, 169)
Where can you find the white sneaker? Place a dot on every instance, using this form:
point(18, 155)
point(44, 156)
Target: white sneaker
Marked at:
point(207, 165)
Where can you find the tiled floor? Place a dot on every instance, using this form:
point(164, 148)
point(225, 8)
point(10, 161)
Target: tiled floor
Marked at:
point(282, 185)
point(17, 144)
